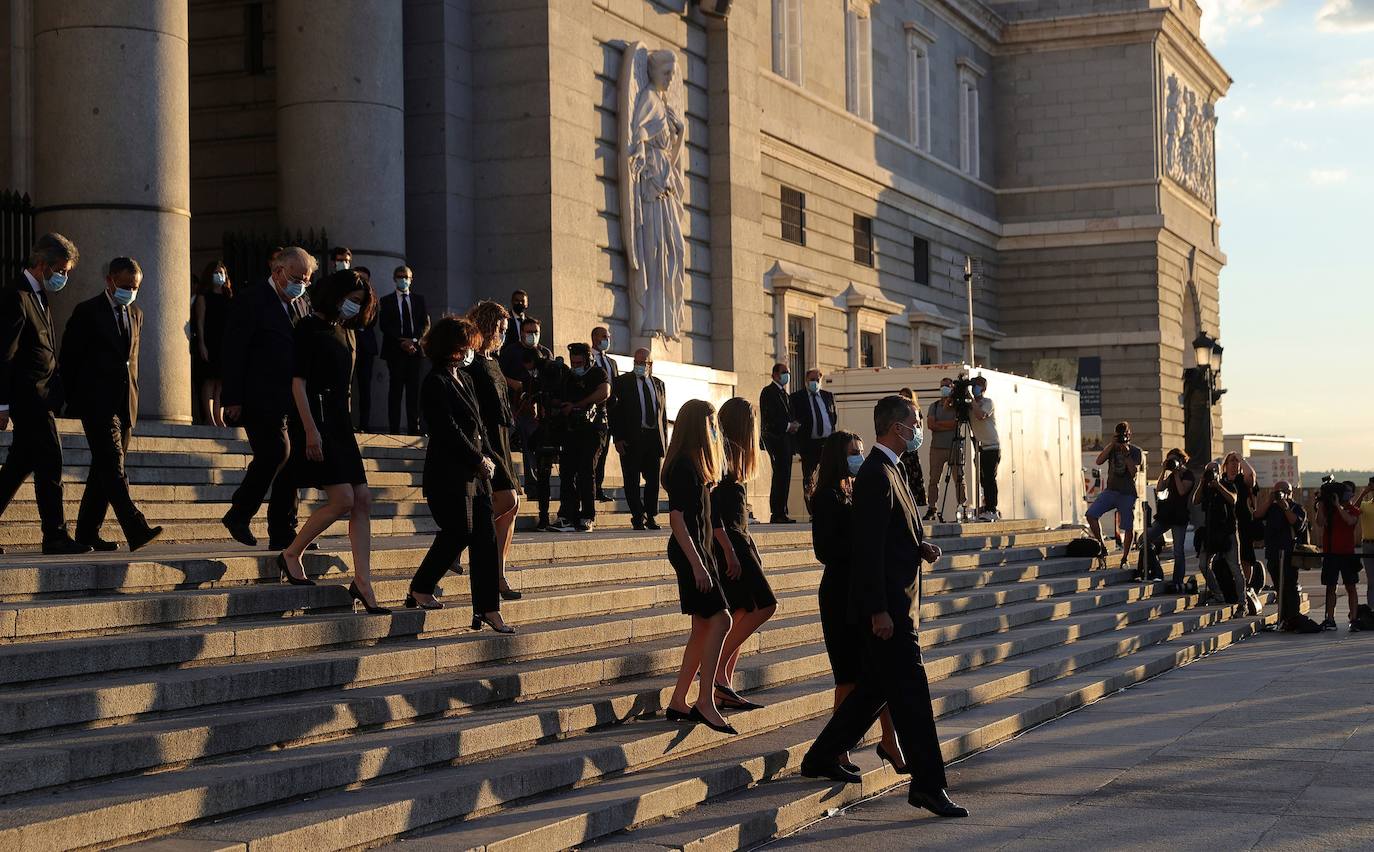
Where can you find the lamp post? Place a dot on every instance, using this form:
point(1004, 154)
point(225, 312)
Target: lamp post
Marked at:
point(1201, 394)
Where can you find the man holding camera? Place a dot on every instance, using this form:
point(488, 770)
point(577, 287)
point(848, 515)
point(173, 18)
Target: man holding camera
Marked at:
point(1217, 497)
point(1123, 461)
point(1340, 520)
point(1283, 519)
point(1176, 483)
point(943, 420)
point(984, 426)
point(585, 387)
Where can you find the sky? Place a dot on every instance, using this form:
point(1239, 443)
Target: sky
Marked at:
point(1295, 172)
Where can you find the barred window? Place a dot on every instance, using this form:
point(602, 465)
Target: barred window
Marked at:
point(863, 240)
point(794, 215)
point(920, 260)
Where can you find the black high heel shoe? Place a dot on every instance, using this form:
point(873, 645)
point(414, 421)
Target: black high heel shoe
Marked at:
point(734, 700)
point(882, 754)
point(358, 596)
point(286, 574)
point(411, 603)
point(479, 620)
point(696, 716)
point(509, 594)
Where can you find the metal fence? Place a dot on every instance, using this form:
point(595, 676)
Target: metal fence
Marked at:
point(16, 233)
point(246, 253)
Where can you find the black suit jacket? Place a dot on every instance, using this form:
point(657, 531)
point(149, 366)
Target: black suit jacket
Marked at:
point(28, 355)
point(457, 440)
point(389, 314)
point(806, 416)
point(775, 413)
point(606, 363)
point(101, 368)
point(627, 417)
point(885, 570)
point(259, 354)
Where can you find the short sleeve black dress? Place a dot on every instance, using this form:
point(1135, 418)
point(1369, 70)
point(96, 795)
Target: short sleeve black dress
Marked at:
point(832, 514)
point(730, 512)
point(216, 315)
point(493, 399)
point(687, 493)
point(324, 358)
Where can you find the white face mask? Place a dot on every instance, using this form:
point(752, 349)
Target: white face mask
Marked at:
point(349, 309)
point(219, 278)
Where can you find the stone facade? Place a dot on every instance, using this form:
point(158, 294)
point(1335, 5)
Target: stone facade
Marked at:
point(1065, 144)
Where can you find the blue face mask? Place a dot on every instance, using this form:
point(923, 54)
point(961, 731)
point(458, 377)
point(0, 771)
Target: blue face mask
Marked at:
point(349, 309)
point(784, 378)
point(917, 438)
point(603, 345)
point(946, 390)
point(641, 370)
point(124, 297)
point(580, 371)
point(403, 285)
point(813, 386)
point(532, 340)
point(856, 461)
point(295, 289)
point(56, 281)
point(468, 358)
point(977, 391)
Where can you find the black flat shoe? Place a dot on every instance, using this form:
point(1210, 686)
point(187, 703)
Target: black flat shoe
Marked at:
point(240, 532)
point(411, 603)
point(98, 544)
point(511, 595)
point(479, 620)
point(833, 771)
point(285, 574)
point(937, 803)
point(672, 714)
point(882, 754)
point(734, 699)
point(145, 538)
point(696, 716)
point(358, 596)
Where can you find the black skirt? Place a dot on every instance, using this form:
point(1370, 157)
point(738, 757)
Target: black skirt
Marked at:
point(343, 461)
point(503, 478)
point(751, 591)
point(843, 641)
point(694, 601)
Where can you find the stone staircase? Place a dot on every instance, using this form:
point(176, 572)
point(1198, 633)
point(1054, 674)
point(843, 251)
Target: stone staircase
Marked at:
point(184, 700)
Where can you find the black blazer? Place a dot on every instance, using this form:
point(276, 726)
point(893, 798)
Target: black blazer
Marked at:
point(885, 569)
point(366, 338)
point(457, 440)
point(259, 358)
point(775, 413)
point(389, 314)
point(803, 413)
point(612, 370)
point(101, 369)
point(28, 356)
point(626, 416)
point(832, 520)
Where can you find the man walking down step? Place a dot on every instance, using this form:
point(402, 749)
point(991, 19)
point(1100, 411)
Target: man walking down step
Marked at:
point(813, 410)
point(888, 546)
point(259, 364)
point(99, 357)
point(778, 427)
point(31, 388)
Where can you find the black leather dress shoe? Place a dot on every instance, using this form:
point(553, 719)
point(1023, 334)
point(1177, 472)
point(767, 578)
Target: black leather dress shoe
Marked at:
point(831, 770)
point(636, 523)
point(651, 524)
point(240, 532)
point(64, 545)
point(98, 544)
point(781, 519)
point(144, 538)
point(937, 803)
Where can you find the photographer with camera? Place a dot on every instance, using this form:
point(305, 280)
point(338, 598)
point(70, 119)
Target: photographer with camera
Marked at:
point(1241, 477)
point(1283, 519)
point(1176, 483)
point(943, 419)
point(1123, 461)
point(585, 387)
point(1340, 521)
point(1217, 498)
point(984, 426)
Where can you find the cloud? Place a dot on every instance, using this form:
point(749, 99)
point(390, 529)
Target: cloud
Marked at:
point(1356, 89)
point(1346, 16)
point(1221, 16)
point(1295, 145)
point(1294, 105)
point(1328, 177)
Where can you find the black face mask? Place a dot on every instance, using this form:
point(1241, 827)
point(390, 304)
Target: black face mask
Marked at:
point(519, 308)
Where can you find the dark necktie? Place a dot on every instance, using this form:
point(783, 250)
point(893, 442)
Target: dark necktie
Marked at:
point(816, 415)
point(123, 314)
point(646, 402)
point(43, 298)
point(407, 324)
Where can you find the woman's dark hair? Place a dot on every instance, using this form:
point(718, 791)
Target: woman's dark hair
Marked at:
point(207, 279)
point(447, 336)
point(328, 294)
point(834, 465)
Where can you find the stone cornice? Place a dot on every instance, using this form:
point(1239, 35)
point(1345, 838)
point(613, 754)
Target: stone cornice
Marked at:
point(915, 30)
point(784, 276)
point(866, 297)
point(1077, 30)
point(971, 18)
point(1192, 51)
point(927, 313)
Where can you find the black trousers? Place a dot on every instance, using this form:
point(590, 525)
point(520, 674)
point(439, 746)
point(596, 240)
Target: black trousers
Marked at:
point(893, 677)
point(781, 486)
point(602, 450)
point(576, 472)
point(36, 450)
point(988, 460)
point(1279, 561)
point(465, 523)
point(363, 369)
point(270, 467)
point(405, 380)
point(538, 469)
point(810, 452)
point(640, 463)
point(107, 485)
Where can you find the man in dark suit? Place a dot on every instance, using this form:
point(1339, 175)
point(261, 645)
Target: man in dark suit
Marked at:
point(31, 387)
point(885, 603)
point(99, 357)
point(601, 348)
point(777, 428)
point(404, 322)
point(519, 312)
point(365, 357)
point(639, 425)
point(813, 410)
point(259, 364)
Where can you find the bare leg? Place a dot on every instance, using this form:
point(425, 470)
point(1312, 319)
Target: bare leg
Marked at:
point(216, 402)
point(691, 661)
point(842, 691)
point(741, 628)
point(1353, 594)
point(1095, 527)
point(340, 504)
point(1331, 602)
point(207, 401)
point(716, 627)
point(890, 744)
point(360, 538)
point(503, 507)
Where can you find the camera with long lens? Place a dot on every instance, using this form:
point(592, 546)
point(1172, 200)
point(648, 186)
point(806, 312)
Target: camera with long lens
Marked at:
point(1173, 464)
point(962, 397)
point(1330, 494)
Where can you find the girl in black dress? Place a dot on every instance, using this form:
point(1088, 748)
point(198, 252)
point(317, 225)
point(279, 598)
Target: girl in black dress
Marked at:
point(208, 314)
point(331, 461)
point(690, 468)
point(746, 589)
point(493, 396)
point(832, 513)
point(457, 478)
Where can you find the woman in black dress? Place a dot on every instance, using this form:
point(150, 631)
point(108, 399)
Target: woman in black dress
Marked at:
point(832, 512)
point(690, 468)
point(208, 315)
point(457, 478)
point(493, 397)
point(1242, 478)
point(331, 461)
point(747, 591)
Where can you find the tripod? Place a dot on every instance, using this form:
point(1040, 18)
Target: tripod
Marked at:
point(956, 462)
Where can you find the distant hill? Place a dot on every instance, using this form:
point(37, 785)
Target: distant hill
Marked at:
point(1313, 478)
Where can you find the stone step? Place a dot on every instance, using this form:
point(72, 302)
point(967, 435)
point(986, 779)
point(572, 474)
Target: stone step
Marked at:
point(630, 748)
point(162, 437)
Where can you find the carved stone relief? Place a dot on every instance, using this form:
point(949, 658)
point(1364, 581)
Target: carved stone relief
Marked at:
point(1190, 122)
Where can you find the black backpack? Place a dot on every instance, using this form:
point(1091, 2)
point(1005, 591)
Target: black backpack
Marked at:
point(1085, 546)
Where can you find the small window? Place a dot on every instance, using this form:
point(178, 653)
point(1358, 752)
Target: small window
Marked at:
point(787, 56)
point(930, 353)
point(858, 54)
point(920, 260)
point(793, 216)
point(870, 348)
point(863, 240)
point(797, 330)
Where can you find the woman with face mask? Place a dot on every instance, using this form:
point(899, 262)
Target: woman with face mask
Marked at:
point(209, 312)
point(832, 514)
point(331, 460)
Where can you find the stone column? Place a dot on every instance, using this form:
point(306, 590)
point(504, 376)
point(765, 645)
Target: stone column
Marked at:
point(341, 130)
point(112, 167)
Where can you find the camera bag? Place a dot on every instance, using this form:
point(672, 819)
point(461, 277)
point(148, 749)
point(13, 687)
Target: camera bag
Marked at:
point(1085, 546)
point(1364, 617)
point(1302, 624)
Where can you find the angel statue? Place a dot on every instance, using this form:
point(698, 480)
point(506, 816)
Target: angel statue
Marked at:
point(652, 184)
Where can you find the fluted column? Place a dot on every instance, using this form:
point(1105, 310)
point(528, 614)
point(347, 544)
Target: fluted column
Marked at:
point(340, 127)
point(112, 167)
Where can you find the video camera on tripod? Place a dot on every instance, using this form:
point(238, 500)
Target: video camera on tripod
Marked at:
point(962, 397)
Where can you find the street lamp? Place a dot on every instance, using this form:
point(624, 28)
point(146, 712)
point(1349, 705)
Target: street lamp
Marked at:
point(1202, 380)
point(1202, 349)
